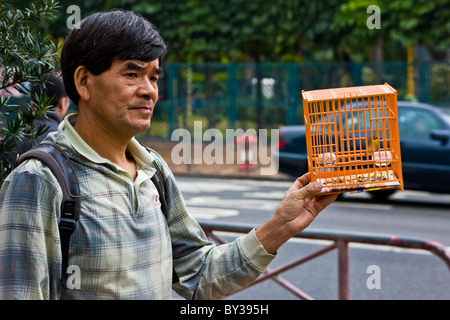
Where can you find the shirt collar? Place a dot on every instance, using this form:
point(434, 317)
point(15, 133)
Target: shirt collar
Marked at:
point(139, 152)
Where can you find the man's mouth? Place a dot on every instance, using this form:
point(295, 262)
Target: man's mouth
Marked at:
point(142, 108)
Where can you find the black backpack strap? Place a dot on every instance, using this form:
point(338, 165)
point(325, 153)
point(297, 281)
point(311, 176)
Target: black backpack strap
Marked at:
point(61, 166)
point(158, 181)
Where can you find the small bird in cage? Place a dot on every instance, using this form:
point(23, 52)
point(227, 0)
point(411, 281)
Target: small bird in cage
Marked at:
point(373, 144)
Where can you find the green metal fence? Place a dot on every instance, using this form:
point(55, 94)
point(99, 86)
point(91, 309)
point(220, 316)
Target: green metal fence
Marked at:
point(268, 95)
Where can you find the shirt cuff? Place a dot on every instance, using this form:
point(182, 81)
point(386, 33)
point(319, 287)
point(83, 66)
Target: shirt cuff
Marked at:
point(255, 251)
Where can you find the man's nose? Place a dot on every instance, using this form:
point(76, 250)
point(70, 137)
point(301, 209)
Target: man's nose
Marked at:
point(148, 90)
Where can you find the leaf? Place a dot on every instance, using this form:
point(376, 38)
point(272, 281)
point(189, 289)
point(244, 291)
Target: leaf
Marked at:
point(25, 57)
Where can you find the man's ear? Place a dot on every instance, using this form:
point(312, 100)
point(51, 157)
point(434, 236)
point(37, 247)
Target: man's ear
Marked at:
point(81, 77)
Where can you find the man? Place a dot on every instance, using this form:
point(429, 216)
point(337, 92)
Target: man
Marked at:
point(124, 246)
point(54, 90)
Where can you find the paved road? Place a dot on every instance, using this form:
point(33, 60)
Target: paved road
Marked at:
point(403, 274)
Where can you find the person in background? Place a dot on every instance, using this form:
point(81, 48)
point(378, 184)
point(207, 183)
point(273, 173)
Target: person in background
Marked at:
point(54, 89)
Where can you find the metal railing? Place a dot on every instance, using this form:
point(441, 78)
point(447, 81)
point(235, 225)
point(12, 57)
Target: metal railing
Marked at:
point(341, 241)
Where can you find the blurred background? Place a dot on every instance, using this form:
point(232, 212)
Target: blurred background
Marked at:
point(243, 64)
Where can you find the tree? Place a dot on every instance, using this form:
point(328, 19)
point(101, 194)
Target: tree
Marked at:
point(403, 23)
point(358, 29)
point(414, 22)
point(25, 58)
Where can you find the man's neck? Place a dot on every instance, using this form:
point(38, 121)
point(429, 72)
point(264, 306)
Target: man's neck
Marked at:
point(107, 144)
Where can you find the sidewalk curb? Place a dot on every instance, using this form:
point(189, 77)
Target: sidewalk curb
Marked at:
point(236, 176)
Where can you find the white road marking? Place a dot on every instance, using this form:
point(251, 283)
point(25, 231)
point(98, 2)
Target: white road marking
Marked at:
point(211, 213)
point(365, 206)
point(211, 186)
point(250, 204)
point(276, 195)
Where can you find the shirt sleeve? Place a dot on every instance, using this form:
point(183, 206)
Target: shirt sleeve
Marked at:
point(30, 255)
point(204, 269)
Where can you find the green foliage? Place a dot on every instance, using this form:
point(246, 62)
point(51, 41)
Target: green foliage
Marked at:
point(349, 24)
point(280, 31)
point(292, 31)
point(403, 22)
point(25, 58)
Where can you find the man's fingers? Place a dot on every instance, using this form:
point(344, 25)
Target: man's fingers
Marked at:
point(309, 190)
point(303, 180)
point(323, 201)
point(299, 183)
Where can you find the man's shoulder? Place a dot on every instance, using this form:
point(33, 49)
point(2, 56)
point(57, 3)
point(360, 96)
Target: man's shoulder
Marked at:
point(32, 173)
point(60, 139)
point(35, 167)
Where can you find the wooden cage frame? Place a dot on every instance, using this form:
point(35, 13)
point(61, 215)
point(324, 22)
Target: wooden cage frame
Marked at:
point(352, 138)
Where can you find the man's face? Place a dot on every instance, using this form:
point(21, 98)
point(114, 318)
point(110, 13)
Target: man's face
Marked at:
point(123, 98)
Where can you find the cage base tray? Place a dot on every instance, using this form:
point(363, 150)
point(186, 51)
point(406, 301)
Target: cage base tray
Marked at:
point(359, 186)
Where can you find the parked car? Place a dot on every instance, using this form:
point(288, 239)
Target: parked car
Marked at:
point(424, 142)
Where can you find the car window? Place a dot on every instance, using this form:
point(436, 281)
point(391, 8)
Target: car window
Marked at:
point(353, 121)
point(365, 120)
point(416, 123)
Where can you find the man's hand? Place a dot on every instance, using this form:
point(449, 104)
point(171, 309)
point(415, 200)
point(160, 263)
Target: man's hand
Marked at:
point(297, 210)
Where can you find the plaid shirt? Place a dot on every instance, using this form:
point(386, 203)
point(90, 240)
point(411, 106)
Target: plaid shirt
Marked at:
point(123, 247)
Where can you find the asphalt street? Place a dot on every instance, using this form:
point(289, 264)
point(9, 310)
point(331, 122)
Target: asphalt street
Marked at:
point(402, 273)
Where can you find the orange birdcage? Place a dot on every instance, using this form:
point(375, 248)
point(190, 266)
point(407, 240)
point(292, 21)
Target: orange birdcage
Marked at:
point(352, 138)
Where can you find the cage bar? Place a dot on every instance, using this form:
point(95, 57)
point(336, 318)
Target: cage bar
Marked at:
point(352, 138)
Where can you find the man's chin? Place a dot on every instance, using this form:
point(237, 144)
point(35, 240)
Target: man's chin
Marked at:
point(142, 128)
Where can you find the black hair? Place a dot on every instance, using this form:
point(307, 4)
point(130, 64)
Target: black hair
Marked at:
point(53, 88)
point(102, 37)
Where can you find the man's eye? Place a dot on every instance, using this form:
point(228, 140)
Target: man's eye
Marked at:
point(154, 79)
point(132, 75)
